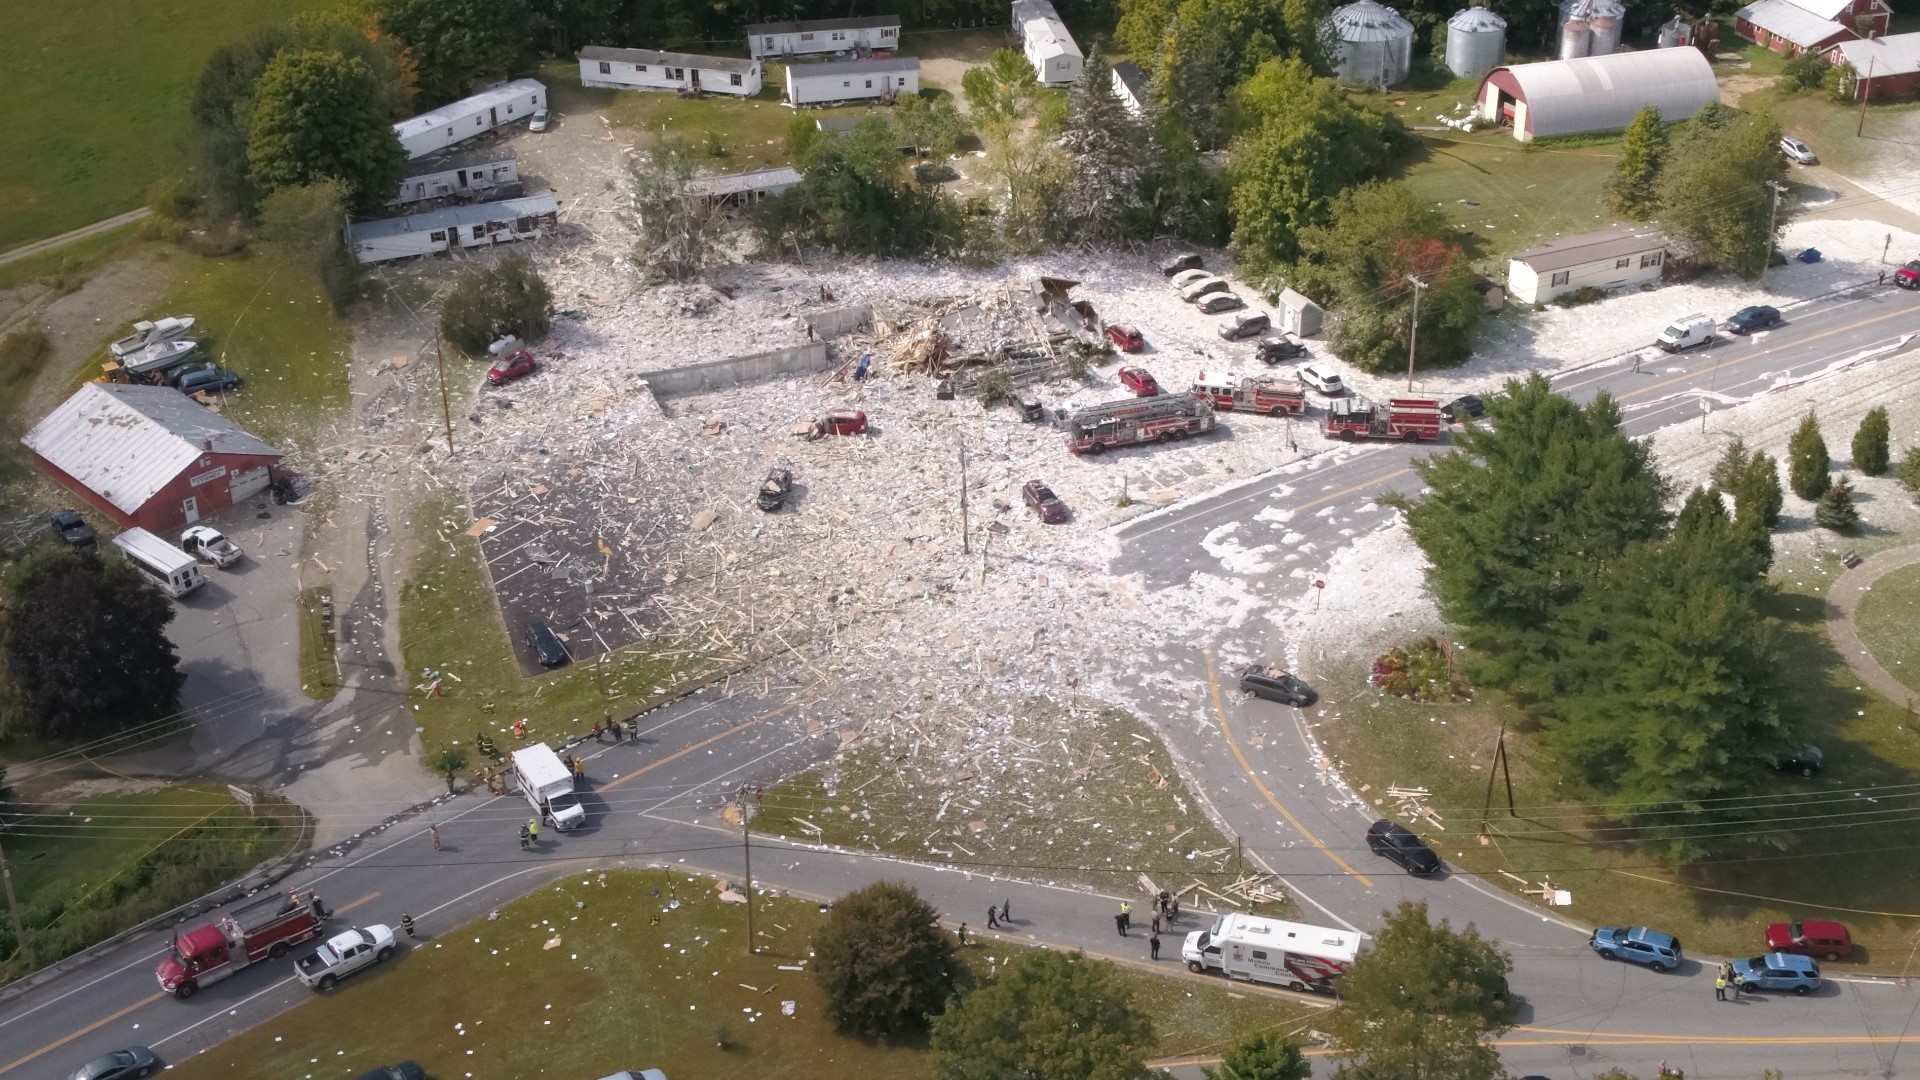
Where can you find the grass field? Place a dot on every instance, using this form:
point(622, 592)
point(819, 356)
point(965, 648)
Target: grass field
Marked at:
point(1721, 906)
point(1889, 622)
point(103, 95)
point(449, 623)
point(62, 266)
point(1507, 196)
point(319, 676)
point(605, 971)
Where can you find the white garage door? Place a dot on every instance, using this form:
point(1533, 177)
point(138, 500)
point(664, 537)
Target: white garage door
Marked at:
point(249, 483)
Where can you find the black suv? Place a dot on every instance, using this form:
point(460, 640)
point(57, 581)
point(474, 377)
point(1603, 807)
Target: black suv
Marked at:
point(1396, 843)
point(72, 528)
point(1276, 685)
point(545, 644)
point(1282, 349)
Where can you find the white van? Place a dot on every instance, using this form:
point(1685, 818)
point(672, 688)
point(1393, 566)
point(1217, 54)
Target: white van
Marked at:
point(174, 571)
point(1686, 333)
point(548, 786)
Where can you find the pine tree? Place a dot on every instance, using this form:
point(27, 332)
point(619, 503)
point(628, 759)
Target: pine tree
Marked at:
point(1807, 460)
point(1643, 148)
point(1836, 510)
point(1103, 198)
point(1909, 472)
point(1760, 488)
point(1870, 453)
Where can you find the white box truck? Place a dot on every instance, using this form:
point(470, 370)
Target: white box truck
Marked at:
point(1290, 954)
point(548, 786)
point(173, 571)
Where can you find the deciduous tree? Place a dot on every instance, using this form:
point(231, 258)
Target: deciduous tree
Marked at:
point(1422, 1003)
point(1633, 192)
point(1870, 452)
point(1004, 91)
point(1046, 1016)
point(856, 197)
point(306, 225)
point(1716, 191)
point(454, 43)
point(1807, 460)
point(1266, 1055)
point(882, 961)
point(676, 237)
point(323, 116)
point(1027, 172)
point(930, 125)
point(87, 647)
point(490, 303)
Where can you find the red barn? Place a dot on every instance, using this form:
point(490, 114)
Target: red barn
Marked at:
point(1884, 68)
point(150, 455)
point(1796, 26)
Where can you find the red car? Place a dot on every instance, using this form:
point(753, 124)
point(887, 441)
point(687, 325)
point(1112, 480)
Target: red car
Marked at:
point(1826, 940)
point(1126, 337)
point(1140, 381)
point(1041, 500)
point(511, 367)
point(841, 422)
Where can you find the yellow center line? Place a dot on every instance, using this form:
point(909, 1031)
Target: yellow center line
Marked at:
point(702, 744)
point(354, 904)
point(1213, 684)
point(95, 1026)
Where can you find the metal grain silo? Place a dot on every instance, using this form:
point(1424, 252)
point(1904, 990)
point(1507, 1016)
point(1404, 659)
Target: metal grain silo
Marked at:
point(1603, 20)
point(1376, 44)
point(1575, 37)
point(1476, 42)
point(1675, 32)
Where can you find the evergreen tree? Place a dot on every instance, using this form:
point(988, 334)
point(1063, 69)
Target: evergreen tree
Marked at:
point(1632, 193)
point(1103, 197)
point(323, 116)
point(1753, 479)
point(883, 961)
point(1870, 451)
point(1046, 1016)
point(1180, 194)
point(1835, 509)
point(1423, 1003)
point(1909, 472)
point(1265, 1055)
point(1807, 460)
point(1716, 193)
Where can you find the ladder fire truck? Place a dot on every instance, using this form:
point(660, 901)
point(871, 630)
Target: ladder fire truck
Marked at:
point(1411, 419)
point(1252, 393)
point(1137, 420)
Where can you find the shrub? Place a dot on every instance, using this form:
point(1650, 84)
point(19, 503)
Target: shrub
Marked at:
point(1586, 294)
point(994, 387)
point(1870, 454)
point(1807, 460)
point(486, 305)
point(22, 354)
point(883, 961)
point(1420, 672)
point(1909, 471)
point(1836, 510)
point(1804, 72)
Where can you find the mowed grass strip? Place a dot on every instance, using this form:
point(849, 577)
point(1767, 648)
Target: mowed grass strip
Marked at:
point(100, 99)
point(1889, 622)
point(631, 969)
point(1718, 906)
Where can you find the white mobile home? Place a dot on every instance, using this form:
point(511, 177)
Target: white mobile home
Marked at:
point(853, 80)
point(1046, 43)
point(479, 225)
point(459, 174)
point(1608, 259)
point(823, 36)
point(743, 188)
point(1130, 86)
point(496, 106)
point(649, 69)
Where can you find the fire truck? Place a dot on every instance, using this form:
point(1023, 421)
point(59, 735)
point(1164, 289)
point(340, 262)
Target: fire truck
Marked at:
point(1411, 419)
point(1137, 420)
point(264, 930)
point(1252, 393)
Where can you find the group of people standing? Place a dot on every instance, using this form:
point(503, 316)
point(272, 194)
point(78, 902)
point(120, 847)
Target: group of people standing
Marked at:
point(1166, 908)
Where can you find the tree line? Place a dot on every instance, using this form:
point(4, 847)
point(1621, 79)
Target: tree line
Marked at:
point(1713, 183)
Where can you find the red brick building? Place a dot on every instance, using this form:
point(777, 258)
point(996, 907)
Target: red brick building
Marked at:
point(150, 455)
point(1884, 68)
point(1792, 27)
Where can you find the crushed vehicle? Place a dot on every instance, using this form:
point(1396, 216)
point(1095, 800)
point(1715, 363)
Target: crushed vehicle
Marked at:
point(775, 489)
point(343, 954)
point(839, 422)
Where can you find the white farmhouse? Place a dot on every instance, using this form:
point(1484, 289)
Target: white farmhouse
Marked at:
point(1046, 43)
point(852, 80)
point(823, 36)
point(479, 225)
point(494, 107)
point(1609, 259)
point(648, 69)
point(458, 174)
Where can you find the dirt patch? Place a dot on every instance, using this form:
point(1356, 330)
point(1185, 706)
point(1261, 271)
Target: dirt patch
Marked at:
point(945, 55)
point(81, 322)
point(1734, 87)
point(75, 790)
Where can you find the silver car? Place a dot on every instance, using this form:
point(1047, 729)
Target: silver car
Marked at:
point(1199, 289)
point(1798, 151)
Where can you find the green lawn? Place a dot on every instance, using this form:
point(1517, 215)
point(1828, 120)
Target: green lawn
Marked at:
point(86, 870)
point(1888, 147)
point(1889, 622)
point(319, 674)
point(1716, 907)
point(103, 88)
point(63, 266)
point(1507, 196)
point(450, 623)
point(602, 971)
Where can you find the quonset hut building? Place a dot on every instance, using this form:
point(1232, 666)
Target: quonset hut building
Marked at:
point(1596, 93)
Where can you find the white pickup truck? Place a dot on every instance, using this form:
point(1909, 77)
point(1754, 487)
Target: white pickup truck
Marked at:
point(344, 954)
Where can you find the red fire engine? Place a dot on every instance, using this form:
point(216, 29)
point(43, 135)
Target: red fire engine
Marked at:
point(266, 929)
point(1137, 420)
point(1411, 419)
point(1252, 393)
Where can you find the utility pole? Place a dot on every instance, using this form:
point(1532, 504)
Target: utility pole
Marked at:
point(746, 854)
point(13, 909)
point(965, 529)
point(446, 411)
point(1866, 92)
point(1773, 215)
point(1413, 335)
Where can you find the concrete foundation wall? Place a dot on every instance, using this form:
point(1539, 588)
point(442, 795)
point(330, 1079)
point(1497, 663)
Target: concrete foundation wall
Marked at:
point(809, 359)
point(836, 321)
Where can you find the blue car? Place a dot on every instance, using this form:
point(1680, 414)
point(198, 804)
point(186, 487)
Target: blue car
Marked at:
point(1777, 971)
point(1656, 950)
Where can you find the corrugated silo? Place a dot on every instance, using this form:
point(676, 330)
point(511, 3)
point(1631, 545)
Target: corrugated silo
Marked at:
point(1476, 42)
point(1675, 32)
point(1376, 44)
point(1603, 20)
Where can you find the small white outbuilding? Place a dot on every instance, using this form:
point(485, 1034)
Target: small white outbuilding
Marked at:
point(852, 80)
point(454, 122)
point(650, 69)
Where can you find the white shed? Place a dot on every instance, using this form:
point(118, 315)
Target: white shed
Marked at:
point(1048, 47)
point(1608, 259)
point(650, 69)
point(1130, 86)
point(823, 36)
point(852, 80)
point(494, 107)
point(1299, 316)
point(458, 173)
point(479, 225)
